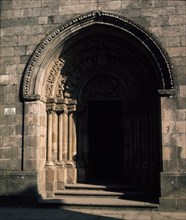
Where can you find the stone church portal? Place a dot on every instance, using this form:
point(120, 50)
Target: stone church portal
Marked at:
point(96, 90)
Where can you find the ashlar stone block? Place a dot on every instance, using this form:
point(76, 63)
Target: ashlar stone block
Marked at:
point(53, 2)
point(26, 3)
point(176, 20)
point(43, 20)
point(178, 61)
point(7, 51)
point(50, 175)
point(20, 50)
point(11, 69)
point(176, 51)
point(176, 2)
point(174, 30)
point(49, 186)
point(166, 153)
point(79, 8)
point(30, 165)
point(6, 4)
point(180, 127)
point(110, 5)
point(9, 41)
point(16, 164)
point(180, 9)
point(181, 203)
point(168, 127)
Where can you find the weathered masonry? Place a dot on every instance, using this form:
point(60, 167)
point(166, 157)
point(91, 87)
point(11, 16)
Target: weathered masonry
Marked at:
point(100, 104)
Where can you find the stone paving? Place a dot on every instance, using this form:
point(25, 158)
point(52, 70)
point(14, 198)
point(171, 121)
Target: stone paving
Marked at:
point(9, 213)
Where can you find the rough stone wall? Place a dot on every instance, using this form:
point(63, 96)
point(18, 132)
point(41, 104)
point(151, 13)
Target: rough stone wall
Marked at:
point(24, 23)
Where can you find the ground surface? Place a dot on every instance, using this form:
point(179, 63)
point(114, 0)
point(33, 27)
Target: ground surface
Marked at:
point(9, 213)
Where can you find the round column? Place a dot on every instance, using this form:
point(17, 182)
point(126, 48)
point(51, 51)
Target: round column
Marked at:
point(65, 134)
point(54, 135)
point(49, 138)
point(60, 143)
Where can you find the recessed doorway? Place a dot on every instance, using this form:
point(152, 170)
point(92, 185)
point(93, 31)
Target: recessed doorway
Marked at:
point(105, 126)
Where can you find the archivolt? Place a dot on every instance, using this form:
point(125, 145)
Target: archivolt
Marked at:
point(46, 57)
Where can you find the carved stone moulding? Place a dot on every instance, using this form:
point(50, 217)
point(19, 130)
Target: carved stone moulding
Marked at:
point(43, 53)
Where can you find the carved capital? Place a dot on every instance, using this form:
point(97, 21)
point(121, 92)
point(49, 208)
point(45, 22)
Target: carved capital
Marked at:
point(49, 110)
point(50, 107)
point(65, 110)
point(60, 108)
point(71, 108)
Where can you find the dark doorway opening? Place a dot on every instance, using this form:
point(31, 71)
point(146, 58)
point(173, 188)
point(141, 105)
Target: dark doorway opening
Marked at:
point(105, 123)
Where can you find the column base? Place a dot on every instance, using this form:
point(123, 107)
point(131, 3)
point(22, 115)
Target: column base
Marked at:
point(49, 163)
point(61, 173)
point(50, 181)
point(71, 172)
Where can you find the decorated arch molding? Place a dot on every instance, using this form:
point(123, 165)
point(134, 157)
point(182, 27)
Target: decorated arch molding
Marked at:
point(43, 78)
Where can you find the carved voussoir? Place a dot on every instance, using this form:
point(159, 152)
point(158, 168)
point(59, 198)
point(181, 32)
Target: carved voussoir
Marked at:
point(53, 78)
point(60, 86)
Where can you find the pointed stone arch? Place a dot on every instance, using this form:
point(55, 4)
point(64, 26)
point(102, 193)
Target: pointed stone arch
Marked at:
point(55, 78)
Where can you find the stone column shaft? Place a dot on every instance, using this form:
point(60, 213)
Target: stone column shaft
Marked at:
point(49, 141)
point(72, 137)
point(54, 135)
point(65, 135)
point(60, 152)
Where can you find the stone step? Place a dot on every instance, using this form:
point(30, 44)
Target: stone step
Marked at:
point(106, 187)
point(92, 190)
point(96, 196)
point(99, 193)
point(87, 193)
point(99, 203)
point(81, 186)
